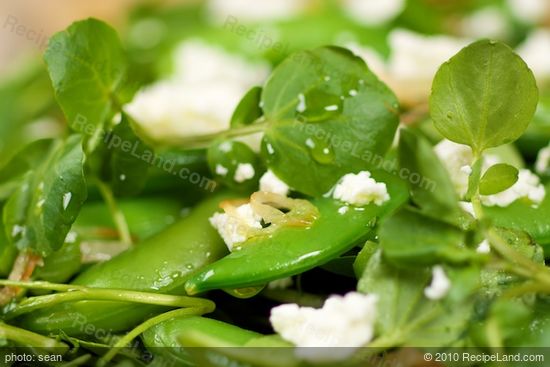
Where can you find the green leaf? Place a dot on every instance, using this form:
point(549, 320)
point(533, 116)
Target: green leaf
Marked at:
point(409, 238)
point(523, 216)
point(87, 66)
point(406, 317)
point(127, 162)
point(39, 214)
point(248, 109)
point(329, 115)
point(484, 96)
point(498, 178)
point(433, 192)
point(61, 265)
point(27, 158)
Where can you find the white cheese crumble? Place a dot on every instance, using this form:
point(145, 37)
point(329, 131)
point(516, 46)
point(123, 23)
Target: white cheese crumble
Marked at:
point(467, 207)
point(484, 247)
point(343, 210)
point(227, 11)
point(301, 103)
point(221, 170)
point(71, 237)
point(543, 160)
point(414, 60)
point(527, 186)
point(234, 227)
point(489, 22)
point(331, 108)
point(440, 285)
point(343, 321)
point(282, 283)
point(529, 11)
point(269, 182)
point(454, 157)
point(181, 106)
point(467, 169)
point(67, 200)
point(361, 189)
point(244, 172)
point(373, 12)
point(535, 51)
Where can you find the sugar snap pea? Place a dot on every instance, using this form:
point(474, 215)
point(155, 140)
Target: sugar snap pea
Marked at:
point(290, 251)
point(160, 264)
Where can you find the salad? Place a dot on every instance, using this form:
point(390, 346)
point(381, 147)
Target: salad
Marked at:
point(296, 183)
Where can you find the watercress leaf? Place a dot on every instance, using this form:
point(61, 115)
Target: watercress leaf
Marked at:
point(329, 115)
point(14, 170)
point(39, 214)
point(230, 160)
point(523, 216)
point(127, 165)
point(498, 178)
point(407, 317)
point(87, 66)
point(484, 96)
point(409, 238)
point(248, 110)
point(433, 192)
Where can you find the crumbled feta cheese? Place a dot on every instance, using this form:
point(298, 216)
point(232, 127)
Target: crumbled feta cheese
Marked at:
point(331, 108)
point(529, 11)
point(455, 156)
point(244, 172)
point(71, 237)
point(343, 210)
point(467, 169)
point(234, 227)
point(535, 51)
point(413, 61)
point(361, 189)
point(181, 106)
point(373, 12)
point(439, 286)
point(301, 103)
point(343, 321)
point(221, 170)
point(270, 149)
point(271, 183)
point(489, 22)
point(543, 161)
point(67, 200)
point(248, 10)
point(528, 186)
point(467, 207)
point(17, 230)
point(282, 283)
point(484, 247)
point(352, 92)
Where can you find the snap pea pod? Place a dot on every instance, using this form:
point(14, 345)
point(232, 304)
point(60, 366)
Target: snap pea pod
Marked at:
point(291, 250)
point(160, 264)
point(200, 341)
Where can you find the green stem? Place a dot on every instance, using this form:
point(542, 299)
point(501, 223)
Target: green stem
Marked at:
point(201, 141)
point(134, 333)
point(25, 337)
point(98, 294)
point(116, 213)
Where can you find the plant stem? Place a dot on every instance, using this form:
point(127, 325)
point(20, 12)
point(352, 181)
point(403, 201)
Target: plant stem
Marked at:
point(201, 141)
point(79, 293)
point(132, 334)
point(25, 337)
point(116, 213)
